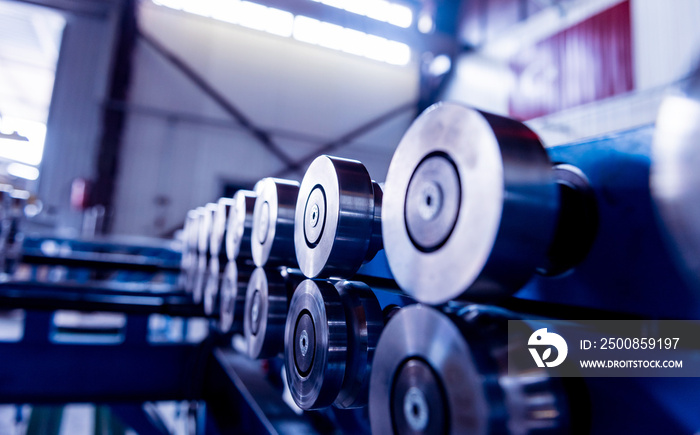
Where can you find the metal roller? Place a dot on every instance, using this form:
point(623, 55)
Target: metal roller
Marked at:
point(365, 323)
point(217, 248)
point(203, 254)
point(210, 298)
point(577, 223)
point(189, 249)
point(330, 337)
point(316, 342)
point(240, 225)
point(470, 206)
point(337, 222)
point(205, 227)
point(272, 239)
point(439, 374)
point(234, 284)
point(266, 305)
point(675, 178)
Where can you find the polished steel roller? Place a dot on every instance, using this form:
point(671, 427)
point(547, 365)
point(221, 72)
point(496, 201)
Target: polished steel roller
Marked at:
point(330, 337)
point(470, 206)
point(577, 222)
point(203, 253)
point(240, 225)
point(272, 239)
point(337, 223)
point(365, 321)
point(217, 254)
point(210, 298)
point(234, 284)
point(220, 224)
point(675, 176)
point(436, 374)
point(265, 314)
point(189, 249)
point(205, 228)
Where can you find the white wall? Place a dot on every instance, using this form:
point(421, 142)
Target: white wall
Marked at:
point(279, 83)
point(74, 122)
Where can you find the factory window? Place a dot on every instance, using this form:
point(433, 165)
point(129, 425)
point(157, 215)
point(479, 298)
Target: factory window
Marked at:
point(309, 30)
point(29, 45)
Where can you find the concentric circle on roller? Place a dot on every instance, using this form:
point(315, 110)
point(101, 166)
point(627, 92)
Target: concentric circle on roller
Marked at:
point(334, 241)
point(304, 343)
point(418, 400)
point(316, 381)
point(211, 288)
point(314, 216)
point(240, 225)
point(421, 361)
point(469, 207)
point(433, 198)
point(265, 313)
point(272, 236)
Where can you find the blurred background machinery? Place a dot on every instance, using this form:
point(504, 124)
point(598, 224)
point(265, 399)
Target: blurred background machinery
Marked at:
point(317, 216)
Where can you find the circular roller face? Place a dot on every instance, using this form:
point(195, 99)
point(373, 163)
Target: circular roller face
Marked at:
point(470, 206)
point(421, 353)
point(265, 313)
point(193, 261)
point(189, 230)
point(438, 374)
point(232, 299)
point(240, 225)
point(365, 321)
point(189, 241)
point(200, 279)
point(316, 341)
point(272, 237)
point(211, 288)
point(206, 224)
point(675, 178)
point(334, 217)
point(219, 225)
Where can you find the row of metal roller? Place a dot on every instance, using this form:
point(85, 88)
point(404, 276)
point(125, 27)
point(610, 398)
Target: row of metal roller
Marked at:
point(472, 208)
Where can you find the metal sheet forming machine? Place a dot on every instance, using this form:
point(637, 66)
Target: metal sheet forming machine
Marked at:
point(386, 305)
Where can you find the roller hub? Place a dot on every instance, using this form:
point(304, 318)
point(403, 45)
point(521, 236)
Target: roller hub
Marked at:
point(418, 403)
point(336, 212)
point(470, 206)
point(238, 235)
point(265, 313)
point(232, 300)
point(330, 337)
point(436, 374)
point(316, 341)
point(432, 202)
point(304, 344)
point(315, 216)
point(273, 222)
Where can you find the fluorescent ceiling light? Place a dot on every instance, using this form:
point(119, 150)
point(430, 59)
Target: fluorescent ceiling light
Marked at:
point(305, 29)
point(279, 22)
point(29, 151)
point(23, 171)
point(380, 10)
